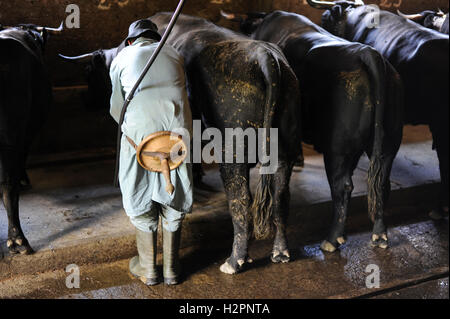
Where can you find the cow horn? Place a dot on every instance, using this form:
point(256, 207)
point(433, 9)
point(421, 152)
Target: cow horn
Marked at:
point(228, 16)
point(321, 4)
point(52, 30)
point(233, 16)
point(413, 17)
point(84, 58)
point(328, 4)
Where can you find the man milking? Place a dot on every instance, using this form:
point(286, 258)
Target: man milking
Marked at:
point(159, 105)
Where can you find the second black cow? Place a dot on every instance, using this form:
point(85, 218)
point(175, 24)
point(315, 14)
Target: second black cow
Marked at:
point(352, 104)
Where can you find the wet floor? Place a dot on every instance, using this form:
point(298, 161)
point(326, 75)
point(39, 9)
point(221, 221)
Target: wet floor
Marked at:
point(415, 266)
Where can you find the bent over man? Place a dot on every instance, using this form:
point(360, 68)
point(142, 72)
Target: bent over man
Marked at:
point(160, 104)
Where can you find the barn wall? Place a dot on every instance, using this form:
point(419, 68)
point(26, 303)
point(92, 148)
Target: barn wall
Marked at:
point(103, 24)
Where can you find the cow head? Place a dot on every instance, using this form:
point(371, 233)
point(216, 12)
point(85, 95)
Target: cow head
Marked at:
point(38, 34)
point(96, 65)
point(248, 22)
point(430, 19)
point(335, 16)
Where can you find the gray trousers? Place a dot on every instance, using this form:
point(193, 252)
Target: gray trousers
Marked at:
point(170, 219)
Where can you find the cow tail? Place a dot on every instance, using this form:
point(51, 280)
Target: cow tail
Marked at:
point(262, 206)
point(377, 73)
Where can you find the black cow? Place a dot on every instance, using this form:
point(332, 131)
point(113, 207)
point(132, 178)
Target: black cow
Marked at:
point(236, 82)
point(352, 103)
point(97, 66)
point(436, 20)
point(420, 55)
point(25, 96)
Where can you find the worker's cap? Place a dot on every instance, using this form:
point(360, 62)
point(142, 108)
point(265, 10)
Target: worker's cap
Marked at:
point(139, 27)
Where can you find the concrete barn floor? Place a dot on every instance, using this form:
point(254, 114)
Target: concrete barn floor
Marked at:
point(74, 216)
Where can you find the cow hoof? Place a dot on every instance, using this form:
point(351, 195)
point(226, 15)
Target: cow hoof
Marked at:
point(341, 240)
point(228, 269)
point(280, 257)
point(19, 246)
point(380, 241)
point(328, 247)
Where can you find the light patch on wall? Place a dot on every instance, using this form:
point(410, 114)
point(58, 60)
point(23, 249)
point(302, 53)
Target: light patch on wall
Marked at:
point(107, 4)
point(391, 3)
point(220, 1)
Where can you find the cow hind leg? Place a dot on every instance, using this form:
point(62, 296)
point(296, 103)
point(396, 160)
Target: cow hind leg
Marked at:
point(280, 251)
point(16, 243)
point(440, 138)
point(339, 171)
point(379, 182)
point(235, 178)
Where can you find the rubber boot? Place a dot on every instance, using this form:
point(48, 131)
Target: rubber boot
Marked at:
point(171, 262)
point(143, 266)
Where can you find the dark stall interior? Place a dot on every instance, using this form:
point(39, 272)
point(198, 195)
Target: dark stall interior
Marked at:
point(72, 131)
point(72, 215)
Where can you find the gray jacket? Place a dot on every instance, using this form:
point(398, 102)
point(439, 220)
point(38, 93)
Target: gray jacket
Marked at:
point(160, 104)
